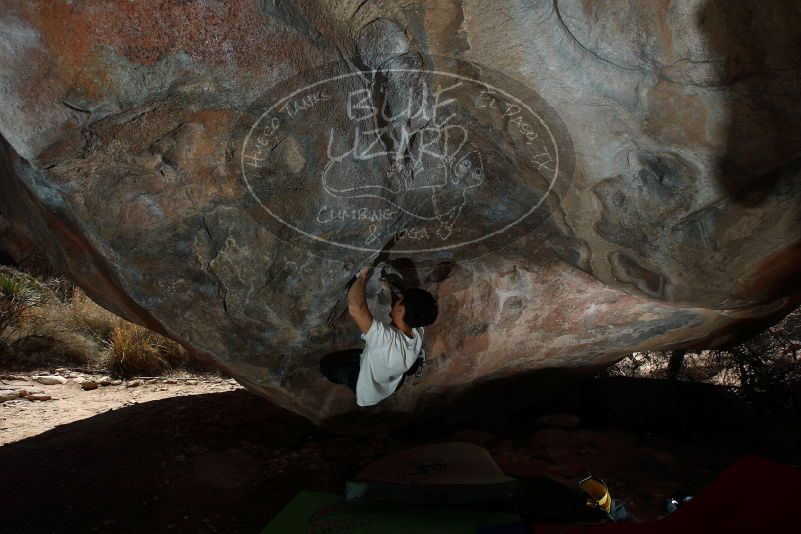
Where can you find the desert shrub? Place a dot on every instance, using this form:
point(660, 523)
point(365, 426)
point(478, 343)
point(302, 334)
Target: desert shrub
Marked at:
point(134, 350)
point(765, 370)
point(768, 367)
point(641, 364)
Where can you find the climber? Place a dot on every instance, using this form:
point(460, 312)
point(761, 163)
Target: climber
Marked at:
point(390, 351)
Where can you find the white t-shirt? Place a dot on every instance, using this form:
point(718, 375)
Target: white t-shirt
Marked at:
point(388, 354)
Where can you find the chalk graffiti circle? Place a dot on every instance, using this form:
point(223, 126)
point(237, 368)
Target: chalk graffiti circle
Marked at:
point(452, 160)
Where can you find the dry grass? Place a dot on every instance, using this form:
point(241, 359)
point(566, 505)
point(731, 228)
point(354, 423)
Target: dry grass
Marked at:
point(41, 336)
point(134, 350)
point(61, 326)
point(83, 315)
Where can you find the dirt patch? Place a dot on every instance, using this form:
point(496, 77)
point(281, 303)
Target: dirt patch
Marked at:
point(21, 418)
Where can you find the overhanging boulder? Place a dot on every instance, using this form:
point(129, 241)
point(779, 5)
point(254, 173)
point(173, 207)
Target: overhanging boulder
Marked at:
point(574, 181)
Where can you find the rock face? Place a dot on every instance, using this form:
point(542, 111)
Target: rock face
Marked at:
point(573, 180)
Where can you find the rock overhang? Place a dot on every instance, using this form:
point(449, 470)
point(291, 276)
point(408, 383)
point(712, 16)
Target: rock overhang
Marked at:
point(676, 223)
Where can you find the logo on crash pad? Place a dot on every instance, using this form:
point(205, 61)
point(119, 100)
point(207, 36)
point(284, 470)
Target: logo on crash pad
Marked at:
point(424, 467)
point(456, 160)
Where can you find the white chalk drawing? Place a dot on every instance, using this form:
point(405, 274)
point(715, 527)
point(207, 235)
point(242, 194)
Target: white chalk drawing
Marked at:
point(406, 171)
point(439, 162)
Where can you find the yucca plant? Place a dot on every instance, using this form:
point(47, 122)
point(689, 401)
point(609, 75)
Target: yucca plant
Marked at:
point(18, 293)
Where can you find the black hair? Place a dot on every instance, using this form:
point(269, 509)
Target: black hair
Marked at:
point(421, 307)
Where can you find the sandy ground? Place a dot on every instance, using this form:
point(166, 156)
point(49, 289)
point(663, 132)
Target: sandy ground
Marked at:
point(208, 456)
point(20, 419)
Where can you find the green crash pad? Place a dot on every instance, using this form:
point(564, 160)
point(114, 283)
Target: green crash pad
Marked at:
point(324, 513)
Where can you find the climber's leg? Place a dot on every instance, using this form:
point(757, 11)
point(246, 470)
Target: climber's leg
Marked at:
point(342, 367)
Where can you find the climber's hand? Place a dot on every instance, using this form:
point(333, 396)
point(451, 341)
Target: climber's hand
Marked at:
point(365, 272)
point(387, 287)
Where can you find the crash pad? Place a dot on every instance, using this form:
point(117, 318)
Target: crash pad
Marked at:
point(439, 473)
point(324, 513)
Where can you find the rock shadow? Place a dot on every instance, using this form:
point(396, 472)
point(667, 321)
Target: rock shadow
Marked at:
point(221, 462)
point(758, 48)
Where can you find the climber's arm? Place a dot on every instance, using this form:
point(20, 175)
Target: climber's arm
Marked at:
point(357, 303)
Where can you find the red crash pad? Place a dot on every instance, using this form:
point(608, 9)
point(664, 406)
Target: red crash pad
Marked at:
point(752, 495)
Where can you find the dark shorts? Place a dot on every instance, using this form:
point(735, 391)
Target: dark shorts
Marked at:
point(342, 367)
